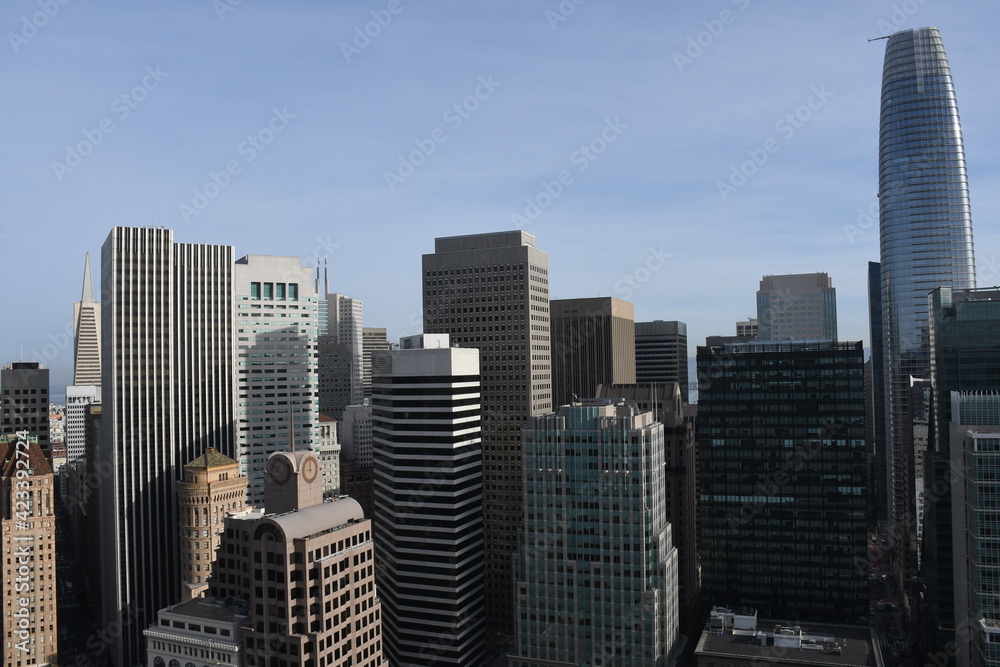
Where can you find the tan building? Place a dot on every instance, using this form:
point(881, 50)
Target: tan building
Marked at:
point(27, 510)
point(491, 292)
point(593, 342)
point(212, 489)
point(306, 568)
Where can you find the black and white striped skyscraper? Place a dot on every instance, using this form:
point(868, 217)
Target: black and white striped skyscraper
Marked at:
point(429, 502)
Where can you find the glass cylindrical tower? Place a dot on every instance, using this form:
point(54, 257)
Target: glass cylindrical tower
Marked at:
point(925, 229)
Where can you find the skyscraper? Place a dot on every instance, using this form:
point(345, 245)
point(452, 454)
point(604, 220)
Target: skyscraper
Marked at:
point(87, 343)
point(25, 406)
point(597, 568)
point(661, 354)
point(801, 306)
point(28, 520)
point(167, 350)
point(306, 569)
point(429, 503)
point(276, 373)
point(491, 292)
point(372, 338)
point(593, 343)
point(341, 355)
point(781, 456)
point(925, 223)
point(212, 488)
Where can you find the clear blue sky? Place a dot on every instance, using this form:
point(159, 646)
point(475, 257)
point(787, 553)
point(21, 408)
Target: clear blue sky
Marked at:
point(116, 113)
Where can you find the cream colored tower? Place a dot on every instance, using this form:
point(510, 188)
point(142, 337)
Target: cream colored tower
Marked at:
point(27, 510)
point(211, 490)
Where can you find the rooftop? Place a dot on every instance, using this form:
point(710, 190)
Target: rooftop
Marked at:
point(790, 644)
point(212, 458)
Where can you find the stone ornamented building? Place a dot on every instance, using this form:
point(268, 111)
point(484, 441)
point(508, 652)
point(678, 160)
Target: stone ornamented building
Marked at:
point(27, 516)
point(212, 488)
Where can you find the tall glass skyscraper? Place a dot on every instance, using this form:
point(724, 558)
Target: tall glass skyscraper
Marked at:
point(925, 226)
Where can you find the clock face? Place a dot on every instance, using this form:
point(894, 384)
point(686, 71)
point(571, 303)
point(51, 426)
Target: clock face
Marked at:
point(309, 470)
point(280, 470)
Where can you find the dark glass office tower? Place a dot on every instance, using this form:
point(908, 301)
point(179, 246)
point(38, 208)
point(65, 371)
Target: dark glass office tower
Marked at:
point(781, 455)
point(925, 227)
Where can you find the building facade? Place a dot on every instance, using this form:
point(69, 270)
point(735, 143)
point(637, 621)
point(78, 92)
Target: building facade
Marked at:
point(276, 367)
point(799, 306)
point(661, 354)
point(593, 342)
point(25, 407)
point(781, 456)
point(491, 292)
point(212, 489)
point(341, 356)
point(372, 338)
point(77, 400)
point(597, 569)
point(306, 569)
point(680, 479)
point(167, 383)
point(28, 522)
point(87, 339)
point(429, 504)
point(925, 225)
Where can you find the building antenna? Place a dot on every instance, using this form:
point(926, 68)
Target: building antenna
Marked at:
point(875, 39)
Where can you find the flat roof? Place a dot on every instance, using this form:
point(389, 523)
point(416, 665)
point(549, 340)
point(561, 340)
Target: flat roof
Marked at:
point(208, 609)
point(855, 641)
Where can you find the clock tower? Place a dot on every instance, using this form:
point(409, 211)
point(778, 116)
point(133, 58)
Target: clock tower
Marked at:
point(292, 481)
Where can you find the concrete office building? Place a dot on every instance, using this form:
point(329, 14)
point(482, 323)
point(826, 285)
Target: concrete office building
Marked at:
point(426, 419)
point(28, 523)
point(167, 364)
point(276, 367)
point(491, 292)
point(212, 489)
point(25, 407)
point(597, 569)
point(800, 306)
point(306, 569)
point(328, 450)
point(372, 338)
point(77, 400)
point(661, 354)
point(593, 342)
point(341, 356)
point(207, 631)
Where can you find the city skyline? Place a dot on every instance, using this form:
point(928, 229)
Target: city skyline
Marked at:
point(547, 83)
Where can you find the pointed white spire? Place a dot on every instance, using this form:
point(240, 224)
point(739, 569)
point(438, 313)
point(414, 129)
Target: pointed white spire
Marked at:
point(88, 284)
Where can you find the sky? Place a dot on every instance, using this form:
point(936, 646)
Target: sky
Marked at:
point(669, 154)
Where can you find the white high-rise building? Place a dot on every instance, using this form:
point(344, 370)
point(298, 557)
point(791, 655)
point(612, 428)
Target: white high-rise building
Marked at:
point(87, 343)
point(167, 350)
point(276, 366)
point(429, 503)
point(77, 400)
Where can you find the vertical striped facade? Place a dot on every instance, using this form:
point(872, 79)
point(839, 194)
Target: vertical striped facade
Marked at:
point(167, 350)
